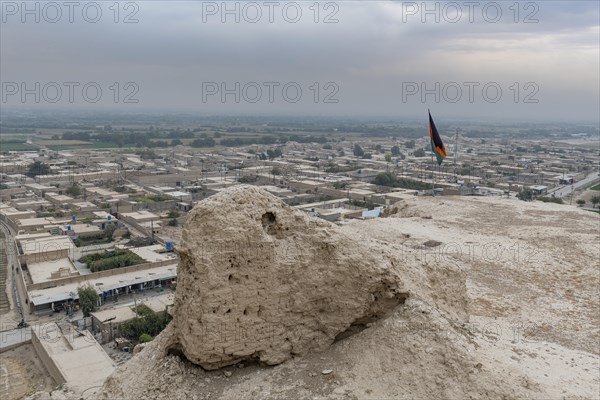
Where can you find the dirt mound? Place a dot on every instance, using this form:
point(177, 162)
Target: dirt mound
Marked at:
point(502, 303)
point(259, 280)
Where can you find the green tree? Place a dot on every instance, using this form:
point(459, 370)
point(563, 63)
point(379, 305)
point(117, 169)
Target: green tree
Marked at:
point(274, 153)
point(358, 150)
point(276, 171)
point(203, 142)
point(88, 299)
point(556, 200)
point(419, 153)
point(73, 190)
point(145, 338)
point(176, 142)
point(147, 154)
point(410, 144)
point(385, 179)
point(173, 214)
point(526, 194)
point(595, 200)
point(37, 168)
point(147, 322)
point(173, 222)
point(581, 202)
point(111, 260)
point(339, 185)
point(248, 179)
point(389, 179)
point(395, 151)
point(109, 231)
point(388, 157)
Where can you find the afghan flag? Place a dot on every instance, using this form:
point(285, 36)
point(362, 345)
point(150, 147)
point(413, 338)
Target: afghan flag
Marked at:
point(436, 142)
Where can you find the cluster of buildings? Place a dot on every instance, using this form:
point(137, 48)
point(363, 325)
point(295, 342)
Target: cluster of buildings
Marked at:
point(112, 219)
point(101, 201)
point(52, 236)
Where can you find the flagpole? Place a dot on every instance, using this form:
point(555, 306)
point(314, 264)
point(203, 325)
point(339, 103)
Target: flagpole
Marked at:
point(432, 175)
point(432, 164)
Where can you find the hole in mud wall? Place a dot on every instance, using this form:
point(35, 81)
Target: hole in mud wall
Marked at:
point(382, 310)
point(268, 218)
point(268, 222)
point(176, 350)
point(352, 330)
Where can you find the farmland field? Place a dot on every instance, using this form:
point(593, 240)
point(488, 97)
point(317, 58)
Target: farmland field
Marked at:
point(86, 145)
point(61, 142)
point(6, 145)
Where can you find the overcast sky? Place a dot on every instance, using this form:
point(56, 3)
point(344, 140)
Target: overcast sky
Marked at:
point(377, 58)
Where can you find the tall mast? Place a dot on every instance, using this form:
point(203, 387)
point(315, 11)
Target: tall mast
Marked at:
point(456, 147)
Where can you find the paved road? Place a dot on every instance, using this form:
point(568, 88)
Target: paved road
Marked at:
point(566, 190)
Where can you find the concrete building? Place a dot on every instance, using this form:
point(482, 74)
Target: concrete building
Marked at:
point(365, 174)
point(107, 322)
point(59, 200)
point(44, 249)
point(83, 207)
point(39, 189)
point(45, 271)
point(32, 204)
point(332, 210)
point(72, 356)
point(152, 253)
point(11, 216)
point(179, 195)
point(40, 224)
point(103, 194)
point(108, 284)
point(140, 216)
point(80, 230)
point(539, 190)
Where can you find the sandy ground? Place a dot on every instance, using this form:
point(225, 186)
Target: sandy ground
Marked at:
point(534, 265)
point(533, 276)
point(531, 281)
point(22, 373)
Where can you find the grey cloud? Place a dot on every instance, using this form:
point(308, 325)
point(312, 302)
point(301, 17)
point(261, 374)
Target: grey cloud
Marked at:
point(369, 53)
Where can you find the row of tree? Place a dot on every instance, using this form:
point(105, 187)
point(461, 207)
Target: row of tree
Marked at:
point(111, 260)
point(146, 325)
point(391, 180)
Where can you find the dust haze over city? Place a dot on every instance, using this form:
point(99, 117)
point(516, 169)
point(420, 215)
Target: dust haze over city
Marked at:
point(309, 199)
